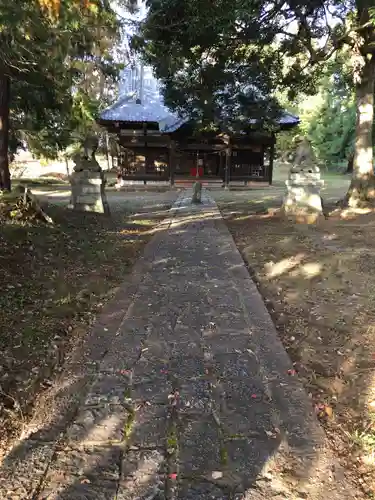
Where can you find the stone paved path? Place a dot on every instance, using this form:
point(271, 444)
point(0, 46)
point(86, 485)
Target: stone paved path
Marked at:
point(192, 399)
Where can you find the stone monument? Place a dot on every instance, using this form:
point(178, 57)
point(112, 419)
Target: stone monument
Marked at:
point(302, 200)
point(87, 181)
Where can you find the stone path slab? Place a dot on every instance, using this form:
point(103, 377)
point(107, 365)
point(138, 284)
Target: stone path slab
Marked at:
point(192, 398)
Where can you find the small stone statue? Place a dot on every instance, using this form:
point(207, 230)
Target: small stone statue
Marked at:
point(86, 160)
point(304, 154)
point(90, 146)
point(197, 193)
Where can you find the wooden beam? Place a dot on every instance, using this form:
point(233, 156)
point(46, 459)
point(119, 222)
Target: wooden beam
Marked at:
point(146, 177)
point(228, 163)
point(221, 166)
point(201, 147)
point(142, 144)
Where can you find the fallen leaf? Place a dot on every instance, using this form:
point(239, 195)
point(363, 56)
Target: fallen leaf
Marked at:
point(328, 411)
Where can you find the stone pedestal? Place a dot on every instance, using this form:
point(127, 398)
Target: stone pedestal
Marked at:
point(88, 193)
point(302, 200)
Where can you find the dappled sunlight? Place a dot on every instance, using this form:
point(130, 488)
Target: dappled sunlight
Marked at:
point(353, 212)
point(364, 150)
point(241, 217)
point(104, 431)
point(61, 193)
point(48, 404)
point(370, 397)
point(330, 237)
point(247, 217)
point(363, 433)
point(275, 269)
point(147, 473)
point(188, 219)
point(143, 222)
point(160, 414)
point(323, 306)
point(310, 270)
point(73, 268)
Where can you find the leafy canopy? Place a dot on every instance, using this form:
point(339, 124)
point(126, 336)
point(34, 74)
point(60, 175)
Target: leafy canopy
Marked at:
point(58, 55)
point(327, 118)
point(223, 63)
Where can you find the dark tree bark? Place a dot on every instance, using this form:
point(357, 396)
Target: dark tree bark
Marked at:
point(5, 183)
point(350, 165)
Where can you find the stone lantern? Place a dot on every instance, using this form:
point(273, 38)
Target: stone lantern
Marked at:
point(87, 181)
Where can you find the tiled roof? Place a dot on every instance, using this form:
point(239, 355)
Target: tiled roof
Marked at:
point(289, 119)
point(151, 109)
point(128, 110)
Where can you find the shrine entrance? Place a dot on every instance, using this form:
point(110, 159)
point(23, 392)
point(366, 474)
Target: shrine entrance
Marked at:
point(209, 164)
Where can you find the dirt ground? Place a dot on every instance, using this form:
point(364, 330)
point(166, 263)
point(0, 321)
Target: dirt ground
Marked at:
point(54, 281)
point(319, 286)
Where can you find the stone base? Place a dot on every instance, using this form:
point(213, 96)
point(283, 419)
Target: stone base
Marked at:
point(302, 218)
point(302, 202)
point(88, 194)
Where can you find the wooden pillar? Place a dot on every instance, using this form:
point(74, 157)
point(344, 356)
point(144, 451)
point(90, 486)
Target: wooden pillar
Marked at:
point(220, 164)
point(228, 163)
point(272, 153)
point(172, 160)
point(107, 151)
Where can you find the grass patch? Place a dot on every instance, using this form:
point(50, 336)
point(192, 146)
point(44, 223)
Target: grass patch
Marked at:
point(129, 425)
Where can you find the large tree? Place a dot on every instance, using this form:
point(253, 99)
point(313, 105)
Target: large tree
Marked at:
point(46, 48)
point(224, 61)
point(215, 62)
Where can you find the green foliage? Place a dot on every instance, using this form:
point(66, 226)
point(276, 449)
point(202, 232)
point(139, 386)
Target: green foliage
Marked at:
point(210, 69)
point(287, 140)
point(327, 118)
point(59, 58)
point(221, 64)
point(331, 126)
point(332, 130)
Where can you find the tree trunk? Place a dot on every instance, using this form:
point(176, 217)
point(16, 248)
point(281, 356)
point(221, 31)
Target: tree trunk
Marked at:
point(4, 133)
point(362, 187)
point(350, 164)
